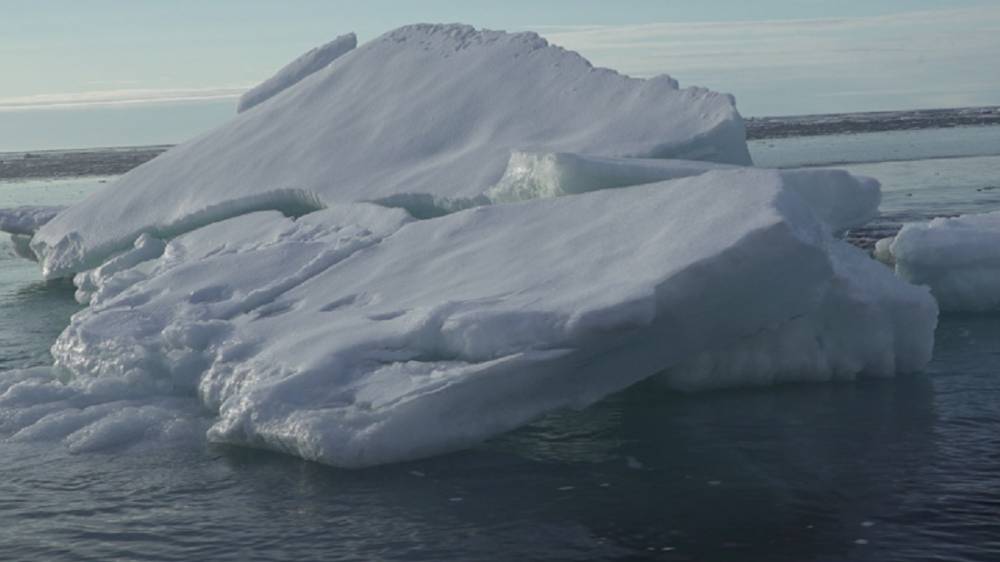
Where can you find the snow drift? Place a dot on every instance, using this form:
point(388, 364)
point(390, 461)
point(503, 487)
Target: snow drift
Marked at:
point(958, 258)
point(440, 236)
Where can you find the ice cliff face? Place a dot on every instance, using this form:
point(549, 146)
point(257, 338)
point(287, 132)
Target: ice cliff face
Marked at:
point(442, 235)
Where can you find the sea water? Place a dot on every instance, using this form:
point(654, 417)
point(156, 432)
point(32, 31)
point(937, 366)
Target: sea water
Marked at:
point(901, 469)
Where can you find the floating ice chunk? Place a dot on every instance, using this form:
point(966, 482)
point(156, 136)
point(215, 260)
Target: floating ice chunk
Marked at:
point(27, 219)
point(289, 75)
point(424, 113)
point(958, 258)
point(22, 223)
point(356, 336)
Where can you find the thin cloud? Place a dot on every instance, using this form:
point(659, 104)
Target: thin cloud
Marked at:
point(794, 65)
point(129, 96)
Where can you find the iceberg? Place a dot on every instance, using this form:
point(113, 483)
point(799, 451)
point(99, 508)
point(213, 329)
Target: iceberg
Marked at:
point(957, 257)
point(444, 234)
point(356, 335)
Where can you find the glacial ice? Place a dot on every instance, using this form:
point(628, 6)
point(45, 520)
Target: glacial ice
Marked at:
point(440, 236)
point(958, 258)
point(292, 73)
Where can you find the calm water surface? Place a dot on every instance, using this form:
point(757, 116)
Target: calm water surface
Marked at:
point(904, 469)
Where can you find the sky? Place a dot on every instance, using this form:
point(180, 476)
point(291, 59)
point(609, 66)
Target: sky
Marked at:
point(778, 57)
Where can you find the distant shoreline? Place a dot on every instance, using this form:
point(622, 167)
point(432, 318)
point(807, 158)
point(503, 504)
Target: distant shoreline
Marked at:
point(869, 122)
point(111, 161)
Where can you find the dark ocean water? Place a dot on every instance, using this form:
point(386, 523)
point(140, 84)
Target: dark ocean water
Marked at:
point(902, 469)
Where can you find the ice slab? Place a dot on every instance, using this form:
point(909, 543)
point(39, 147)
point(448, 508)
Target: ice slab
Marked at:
point(958, 258)
point(357, 336)
point(426, 115)
point(26, 220)
point(840, 199)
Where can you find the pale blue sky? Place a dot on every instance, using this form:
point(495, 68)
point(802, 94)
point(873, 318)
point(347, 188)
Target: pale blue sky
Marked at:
point(776, 56)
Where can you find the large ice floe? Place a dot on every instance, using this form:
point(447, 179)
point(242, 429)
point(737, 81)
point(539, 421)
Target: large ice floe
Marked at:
point(442, 235)
point(958, 258)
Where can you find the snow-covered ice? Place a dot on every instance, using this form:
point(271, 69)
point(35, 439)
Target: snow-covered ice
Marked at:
point(442, 235)
point(958, 258)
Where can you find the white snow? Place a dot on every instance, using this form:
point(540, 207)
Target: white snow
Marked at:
point(426, 116)
point(417, 247)
point(958, 258)
point(292, 73)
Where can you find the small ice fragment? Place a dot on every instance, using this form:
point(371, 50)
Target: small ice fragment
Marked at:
point(867, 523)
point(566, 488)
point(633, 463)
point(417, 473)
point(456, 499)
point(715, 482)
point(861, 541)
point(605, 485)
point(667, 549)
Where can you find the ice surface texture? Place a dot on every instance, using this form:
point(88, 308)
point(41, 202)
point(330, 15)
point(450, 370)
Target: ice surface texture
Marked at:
point(958, 258)
point(444, 234)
